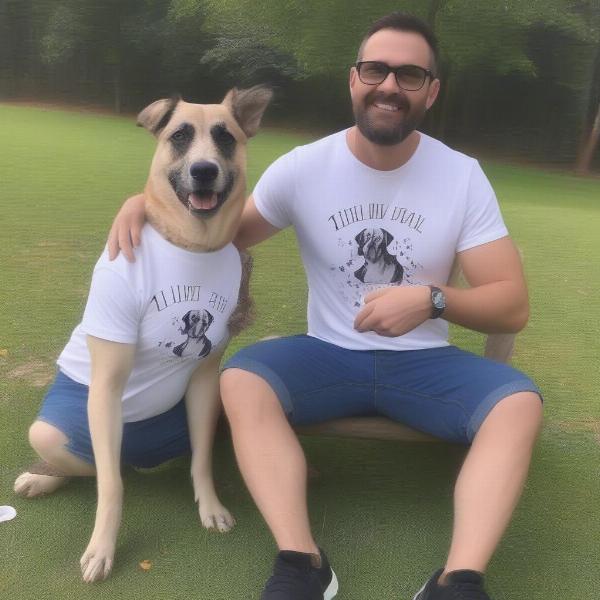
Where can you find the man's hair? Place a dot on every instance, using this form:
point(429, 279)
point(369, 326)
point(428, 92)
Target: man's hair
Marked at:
point(404, 22)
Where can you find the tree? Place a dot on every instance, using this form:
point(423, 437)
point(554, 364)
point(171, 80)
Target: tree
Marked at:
point(91, 37)
point(591, 128)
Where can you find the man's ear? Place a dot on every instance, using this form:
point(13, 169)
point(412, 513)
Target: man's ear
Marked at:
point(432, 94)
point(155, 116)
point(248, 106)
point(352, 76)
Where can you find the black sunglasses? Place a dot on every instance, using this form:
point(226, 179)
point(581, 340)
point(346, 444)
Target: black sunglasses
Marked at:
point(409, 77)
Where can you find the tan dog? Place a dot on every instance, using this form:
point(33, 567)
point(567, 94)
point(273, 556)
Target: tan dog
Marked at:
point(195, 194)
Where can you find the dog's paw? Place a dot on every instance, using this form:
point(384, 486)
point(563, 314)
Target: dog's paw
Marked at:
point(97, 561)
point(30, 485)
point(215, 516)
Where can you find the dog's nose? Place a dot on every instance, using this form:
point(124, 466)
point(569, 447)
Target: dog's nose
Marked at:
point(204, 171)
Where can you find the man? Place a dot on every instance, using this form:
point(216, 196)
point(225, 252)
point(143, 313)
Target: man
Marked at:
point(381, 211)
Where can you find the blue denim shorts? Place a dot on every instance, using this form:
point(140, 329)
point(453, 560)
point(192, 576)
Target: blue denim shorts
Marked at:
point(145, 443)
point(446, 392)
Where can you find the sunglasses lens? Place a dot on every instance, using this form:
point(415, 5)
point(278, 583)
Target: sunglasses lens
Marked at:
point(410, 77)
point(372, 72)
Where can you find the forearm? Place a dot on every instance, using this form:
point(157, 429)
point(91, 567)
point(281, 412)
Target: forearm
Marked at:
point(203, 405)
point(106, 429)
point(498, 307)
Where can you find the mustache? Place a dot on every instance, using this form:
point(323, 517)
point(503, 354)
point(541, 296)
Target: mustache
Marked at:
point(399, 100)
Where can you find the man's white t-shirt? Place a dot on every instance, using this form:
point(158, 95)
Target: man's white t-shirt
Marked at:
point(172, 303)
point(360, 229)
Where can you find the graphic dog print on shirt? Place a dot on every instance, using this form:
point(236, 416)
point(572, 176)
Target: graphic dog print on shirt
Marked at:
point(188, 339)
point(374, 257)
point(380, 266)
point(196, 323)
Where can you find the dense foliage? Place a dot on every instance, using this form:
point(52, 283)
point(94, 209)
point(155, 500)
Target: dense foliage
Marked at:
point(521, 77)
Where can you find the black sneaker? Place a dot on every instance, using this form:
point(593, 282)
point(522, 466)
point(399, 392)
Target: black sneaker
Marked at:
point(296, 577)
point(460, 585)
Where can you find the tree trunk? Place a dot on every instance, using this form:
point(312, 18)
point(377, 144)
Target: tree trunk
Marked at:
point(584, 160)
point(117, 87)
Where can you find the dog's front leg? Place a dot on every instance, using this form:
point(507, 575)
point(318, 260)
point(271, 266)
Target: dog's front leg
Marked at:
point(203, 405)
point(111, 365)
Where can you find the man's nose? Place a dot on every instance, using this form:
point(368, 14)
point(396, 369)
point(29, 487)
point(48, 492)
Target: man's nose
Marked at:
point(390, 83)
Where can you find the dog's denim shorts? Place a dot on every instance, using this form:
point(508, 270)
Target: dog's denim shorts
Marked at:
point(145, 444)
point(446, 392)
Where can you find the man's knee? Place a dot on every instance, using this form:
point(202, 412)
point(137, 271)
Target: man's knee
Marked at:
point(246, 395)
point(46, 439)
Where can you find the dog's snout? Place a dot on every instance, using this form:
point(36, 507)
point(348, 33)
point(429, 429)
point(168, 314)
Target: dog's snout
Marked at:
point(204, 171)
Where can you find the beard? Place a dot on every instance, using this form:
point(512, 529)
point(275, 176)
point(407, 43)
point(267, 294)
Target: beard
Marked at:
point(388, 134)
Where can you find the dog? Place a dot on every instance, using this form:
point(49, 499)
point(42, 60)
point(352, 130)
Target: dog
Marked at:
point(195, 193)
point(380, 266)
point(196, 324)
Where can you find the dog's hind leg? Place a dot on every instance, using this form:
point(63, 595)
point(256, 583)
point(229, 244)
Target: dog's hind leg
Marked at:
point(40, 479)
point(56, 466)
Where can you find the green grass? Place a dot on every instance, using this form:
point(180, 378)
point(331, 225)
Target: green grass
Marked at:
point(381, 509)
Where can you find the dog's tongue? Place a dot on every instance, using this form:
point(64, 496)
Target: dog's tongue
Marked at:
point(204, 202)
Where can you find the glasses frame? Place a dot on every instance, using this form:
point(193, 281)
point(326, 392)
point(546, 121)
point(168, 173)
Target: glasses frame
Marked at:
point(427, 73)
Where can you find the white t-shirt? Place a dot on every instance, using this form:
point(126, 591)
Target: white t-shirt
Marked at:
point(172, 303)
point(360, 229)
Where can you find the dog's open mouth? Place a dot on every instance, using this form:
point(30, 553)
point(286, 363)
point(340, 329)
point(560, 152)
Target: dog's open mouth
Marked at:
point(203, 201)
point(200, 201)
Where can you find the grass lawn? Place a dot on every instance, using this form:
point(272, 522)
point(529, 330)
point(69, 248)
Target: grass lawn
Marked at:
point(381, 509)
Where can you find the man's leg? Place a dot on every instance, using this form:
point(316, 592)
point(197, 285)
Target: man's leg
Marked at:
point(265, 387)
point(270, 457)
point(461, 397)
point(491, 480)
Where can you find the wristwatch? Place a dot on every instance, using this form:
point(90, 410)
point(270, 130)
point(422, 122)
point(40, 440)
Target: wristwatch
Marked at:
point(438, 302)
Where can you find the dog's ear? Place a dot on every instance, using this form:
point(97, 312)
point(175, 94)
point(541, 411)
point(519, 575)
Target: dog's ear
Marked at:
point(248, 106)
point(208, 319)
point(360, 240)
point(155, 116)
point(387, 238)
point(186, 319)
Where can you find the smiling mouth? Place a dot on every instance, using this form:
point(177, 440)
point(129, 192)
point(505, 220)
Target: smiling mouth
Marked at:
point(202, 201)
point(387, 107)
point(205, 200)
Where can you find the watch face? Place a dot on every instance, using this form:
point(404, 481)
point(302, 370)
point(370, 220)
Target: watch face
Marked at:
point(437, 298)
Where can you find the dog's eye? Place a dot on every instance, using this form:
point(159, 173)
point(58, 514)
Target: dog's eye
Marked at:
point(224, 141)
point(178, 135)
point(223, 136)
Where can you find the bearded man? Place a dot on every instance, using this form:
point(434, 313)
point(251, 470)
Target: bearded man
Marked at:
point(381, 211)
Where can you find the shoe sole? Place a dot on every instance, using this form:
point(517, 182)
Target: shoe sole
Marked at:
point(418, 594)
point(332, 588)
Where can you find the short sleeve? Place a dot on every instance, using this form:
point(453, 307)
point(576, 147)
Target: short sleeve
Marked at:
point(275, 191)
point(483, 221)
point(111, 312)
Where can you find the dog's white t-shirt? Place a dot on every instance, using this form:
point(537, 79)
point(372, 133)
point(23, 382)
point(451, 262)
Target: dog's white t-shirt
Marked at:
point(172, 303)
point(360, 229)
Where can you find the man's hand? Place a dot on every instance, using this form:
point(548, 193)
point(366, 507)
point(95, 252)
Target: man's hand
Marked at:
point(125, 233)
point(394, 311)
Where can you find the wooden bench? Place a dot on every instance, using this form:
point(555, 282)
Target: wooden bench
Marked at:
point(498, 346)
